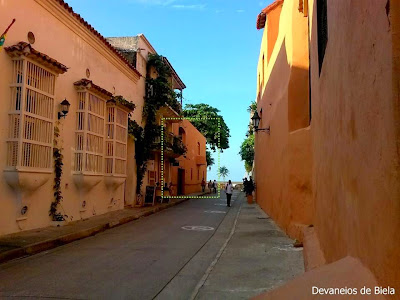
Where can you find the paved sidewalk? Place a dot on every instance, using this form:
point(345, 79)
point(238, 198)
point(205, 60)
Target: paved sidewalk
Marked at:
point(258, 257)
point(30, 242)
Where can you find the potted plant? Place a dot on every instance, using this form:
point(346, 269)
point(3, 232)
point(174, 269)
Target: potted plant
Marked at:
point(248, 189)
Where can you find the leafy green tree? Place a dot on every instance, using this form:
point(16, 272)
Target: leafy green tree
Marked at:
point(210, 159)
point(205, 118)
point(253, 107)
point(223, 171)
point(247, 152)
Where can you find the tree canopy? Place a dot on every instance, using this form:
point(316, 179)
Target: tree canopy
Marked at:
point(247, 152)
point(247, 147)
point(206, 119)
point(210, 159)
point(223, 171)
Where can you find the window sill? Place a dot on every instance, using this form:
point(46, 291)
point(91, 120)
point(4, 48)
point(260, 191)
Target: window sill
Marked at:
point(25, 180)
point(114, 181)
point(86, 182)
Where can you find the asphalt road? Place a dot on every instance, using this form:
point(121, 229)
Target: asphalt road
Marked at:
point(154, 257)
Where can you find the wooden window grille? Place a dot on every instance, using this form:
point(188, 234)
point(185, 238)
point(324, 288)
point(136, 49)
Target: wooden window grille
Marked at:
point(31, 117)
point(322, 28)
point(116, 140)
point(89, 134)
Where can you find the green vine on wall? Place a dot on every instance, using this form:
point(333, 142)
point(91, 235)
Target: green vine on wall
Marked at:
point(58, 163)
point(158, 93)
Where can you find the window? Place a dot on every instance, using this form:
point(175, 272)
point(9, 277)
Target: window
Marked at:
point(116, 140)
point(151, 178)
point(198, 148)
point(31, 116)
point(198, 173)
point(322, 28)
point(89, 136)
point(191, 174)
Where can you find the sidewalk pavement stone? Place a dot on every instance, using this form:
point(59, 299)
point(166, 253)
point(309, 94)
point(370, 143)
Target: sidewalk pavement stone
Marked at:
point(259, 257)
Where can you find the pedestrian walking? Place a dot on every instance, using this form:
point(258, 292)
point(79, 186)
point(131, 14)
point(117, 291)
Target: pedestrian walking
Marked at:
point(228, 191)
point(203, 185)
point(245, 182)
point(210, 186)
point(215, 186)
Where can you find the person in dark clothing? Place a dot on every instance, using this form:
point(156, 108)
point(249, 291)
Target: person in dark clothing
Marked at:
point(203, 185)
point(229, 191)
point(215, 186)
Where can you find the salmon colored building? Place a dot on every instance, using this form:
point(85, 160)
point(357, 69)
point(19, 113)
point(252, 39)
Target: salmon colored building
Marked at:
point(66, 95)
point(183, 172)
point(192, 169)
point(328, 171)
point(51, 55)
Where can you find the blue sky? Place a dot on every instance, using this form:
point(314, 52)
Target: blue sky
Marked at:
point(212, 44)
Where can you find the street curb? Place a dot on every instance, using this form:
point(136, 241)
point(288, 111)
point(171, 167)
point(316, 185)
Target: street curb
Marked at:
point(71, 237)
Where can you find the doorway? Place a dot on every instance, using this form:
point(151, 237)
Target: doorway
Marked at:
point(181, 182)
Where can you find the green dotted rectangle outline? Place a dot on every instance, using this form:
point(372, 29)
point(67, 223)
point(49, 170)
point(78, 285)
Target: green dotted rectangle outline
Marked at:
point(162, 159)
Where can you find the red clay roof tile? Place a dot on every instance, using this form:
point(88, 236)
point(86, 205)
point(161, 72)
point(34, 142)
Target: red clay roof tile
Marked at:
point(96, 33)
point(25, 49)
point(90, 85)
point(262, 17)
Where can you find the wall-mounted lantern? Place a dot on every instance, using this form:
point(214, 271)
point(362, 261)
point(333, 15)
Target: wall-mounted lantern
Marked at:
point(64, 107)
point(256, 123)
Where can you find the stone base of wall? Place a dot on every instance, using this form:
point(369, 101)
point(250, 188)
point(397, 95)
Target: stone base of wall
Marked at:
point(347, 273)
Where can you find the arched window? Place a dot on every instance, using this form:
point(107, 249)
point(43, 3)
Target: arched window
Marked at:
point(182, 135)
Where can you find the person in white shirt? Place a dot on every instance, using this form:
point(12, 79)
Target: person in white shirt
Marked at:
point(229, 191)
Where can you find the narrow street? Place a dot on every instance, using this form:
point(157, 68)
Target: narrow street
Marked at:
point(158, 257)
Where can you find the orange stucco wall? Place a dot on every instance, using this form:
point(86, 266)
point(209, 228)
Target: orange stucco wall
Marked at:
point(62, 37)
point(272, 26)
point(283, 158)
point(194, 173)
point(355, 124)
point(341, 173)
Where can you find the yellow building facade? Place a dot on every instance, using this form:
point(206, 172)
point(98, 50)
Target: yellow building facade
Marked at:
point(283, 172)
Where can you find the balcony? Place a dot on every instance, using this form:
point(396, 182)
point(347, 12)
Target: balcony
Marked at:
point(172, 113)
point(173, 145)
point(201, 160)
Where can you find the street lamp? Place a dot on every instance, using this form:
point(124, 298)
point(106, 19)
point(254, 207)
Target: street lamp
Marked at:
point(64, 109)
point(256, 123)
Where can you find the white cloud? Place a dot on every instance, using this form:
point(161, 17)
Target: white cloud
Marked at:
point(240, 11)
point(189, 6)
point(155, 2)
point(177, 4)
